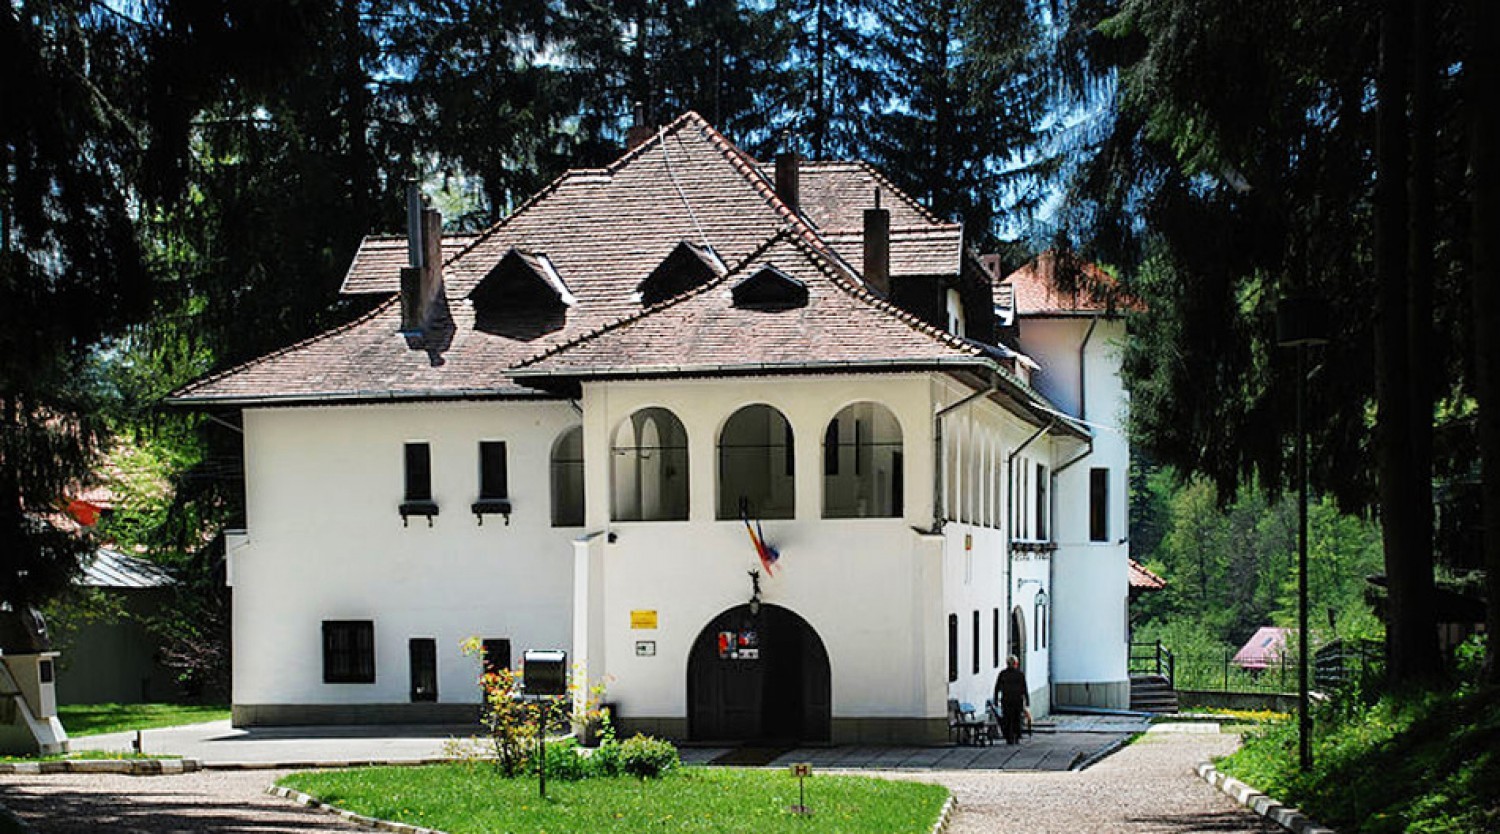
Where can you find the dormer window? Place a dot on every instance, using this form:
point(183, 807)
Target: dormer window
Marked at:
point(955, 313)
point(523, 287)
point(769, 289)
point(686, 267)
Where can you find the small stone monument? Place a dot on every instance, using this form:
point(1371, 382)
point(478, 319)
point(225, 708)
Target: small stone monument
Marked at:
point(28, 694)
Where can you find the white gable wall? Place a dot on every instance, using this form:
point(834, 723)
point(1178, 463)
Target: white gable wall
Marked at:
point(1091, 578)
point(325, 542)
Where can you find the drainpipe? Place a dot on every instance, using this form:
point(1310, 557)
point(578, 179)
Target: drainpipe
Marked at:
point(937, 449)
point(1083, 411)
point(1010, 529)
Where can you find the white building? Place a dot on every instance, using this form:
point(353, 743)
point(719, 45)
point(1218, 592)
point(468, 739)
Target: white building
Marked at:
point(545, 435)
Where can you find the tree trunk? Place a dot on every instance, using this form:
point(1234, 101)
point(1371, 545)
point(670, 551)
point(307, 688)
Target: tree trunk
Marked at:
point(1484, 146)
point(1411, 634)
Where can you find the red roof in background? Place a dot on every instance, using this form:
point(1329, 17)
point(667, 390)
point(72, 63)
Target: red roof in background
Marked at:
point(1036, 293)
point(1142, 579)
point(1266, 648)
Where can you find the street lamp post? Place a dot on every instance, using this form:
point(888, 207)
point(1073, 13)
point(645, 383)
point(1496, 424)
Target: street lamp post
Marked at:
point(1301, 323)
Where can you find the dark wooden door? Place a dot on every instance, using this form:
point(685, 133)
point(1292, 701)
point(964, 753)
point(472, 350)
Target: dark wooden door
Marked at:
point(783, 694)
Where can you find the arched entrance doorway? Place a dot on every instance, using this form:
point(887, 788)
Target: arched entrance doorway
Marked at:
point(759, 677)
point(1018, 636)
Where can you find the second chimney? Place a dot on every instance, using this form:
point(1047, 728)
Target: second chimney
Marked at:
point(639, 132)
point(422, 279)
point(878, 248)
point(788, 179)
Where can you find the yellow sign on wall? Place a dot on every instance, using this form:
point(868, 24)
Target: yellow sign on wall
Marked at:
point(643, 618)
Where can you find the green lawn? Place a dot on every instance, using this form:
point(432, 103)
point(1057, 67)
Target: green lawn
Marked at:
point(472, 797)
point(96, 719)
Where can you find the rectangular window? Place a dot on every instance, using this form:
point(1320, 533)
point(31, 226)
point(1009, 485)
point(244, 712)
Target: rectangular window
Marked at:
point(1041, 502)
point(496, 654)
point(492, 475)
point(995, 638)
point(423, 654)
point(348, 651)
point(1098, 505)
point(976, 642)
point(952, 648)
point(418, 472)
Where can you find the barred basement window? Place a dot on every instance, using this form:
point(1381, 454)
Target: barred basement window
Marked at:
point(348, 651)
point(422, 652)
point(496, 654)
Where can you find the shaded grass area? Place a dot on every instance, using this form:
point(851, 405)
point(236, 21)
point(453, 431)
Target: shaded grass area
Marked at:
point(98, 719)
point(471, 797)
point(91, 755)
point(1426, 764)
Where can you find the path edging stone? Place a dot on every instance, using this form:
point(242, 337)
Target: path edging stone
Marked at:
point(349, 816)
point(945, 816)
point(128, 767)
point(1257, 801)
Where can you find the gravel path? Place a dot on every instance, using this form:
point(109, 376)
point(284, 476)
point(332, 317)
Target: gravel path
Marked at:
point(1148, 786)
point(219, 801)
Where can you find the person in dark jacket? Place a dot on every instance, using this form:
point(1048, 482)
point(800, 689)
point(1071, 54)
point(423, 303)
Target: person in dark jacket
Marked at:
point(1013, 696)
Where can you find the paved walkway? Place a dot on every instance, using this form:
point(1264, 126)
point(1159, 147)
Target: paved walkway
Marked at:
point(1068, 741)
point(1148, 786)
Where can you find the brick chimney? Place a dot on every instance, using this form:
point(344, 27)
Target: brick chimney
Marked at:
point(639, 132)
point(422, 279)
point(878, 248)
point(789, 179)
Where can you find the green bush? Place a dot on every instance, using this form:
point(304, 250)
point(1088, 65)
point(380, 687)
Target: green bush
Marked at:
point(647, 757)
point(565, 763)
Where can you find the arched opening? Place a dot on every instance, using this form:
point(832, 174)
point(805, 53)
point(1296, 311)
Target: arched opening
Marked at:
point(1018, 635)
point(862, 463)
point(650, 468)
point(567, 478)
point(756, 464)
point(760, 676)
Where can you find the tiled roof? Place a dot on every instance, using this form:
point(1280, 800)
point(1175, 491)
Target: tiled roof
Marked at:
point(1142, 579)
point(841, 325)
point(834, 196)
point(1036, 293)
point(603, 231)
point(377, 263)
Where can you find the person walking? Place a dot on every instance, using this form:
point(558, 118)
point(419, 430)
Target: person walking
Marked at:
point(1013, 696)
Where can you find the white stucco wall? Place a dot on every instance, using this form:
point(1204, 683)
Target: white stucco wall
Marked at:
point(1091, 578)
point(324, 541)
point(871, 588)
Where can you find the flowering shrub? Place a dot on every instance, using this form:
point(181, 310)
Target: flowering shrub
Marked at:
point(513, 723)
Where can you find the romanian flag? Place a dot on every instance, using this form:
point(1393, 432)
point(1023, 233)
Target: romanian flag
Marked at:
point(768, 554)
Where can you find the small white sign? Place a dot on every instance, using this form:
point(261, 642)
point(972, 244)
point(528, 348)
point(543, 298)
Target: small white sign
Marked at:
point(645, 648)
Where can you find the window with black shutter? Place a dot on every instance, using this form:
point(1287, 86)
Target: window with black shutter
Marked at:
point(348, 651)
point(976, 642)
point(1098, 505)
point(952, 648)
point(417, 498)
point(494, 490)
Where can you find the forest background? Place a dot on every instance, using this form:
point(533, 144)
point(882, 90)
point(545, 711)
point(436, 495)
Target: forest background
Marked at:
point(183, 182)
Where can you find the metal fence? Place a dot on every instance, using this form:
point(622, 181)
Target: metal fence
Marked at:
point(1335, 666)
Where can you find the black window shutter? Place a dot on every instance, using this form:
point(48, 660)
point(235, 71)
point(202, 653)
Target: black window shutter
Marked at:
point(418, 472)
point(493, 479)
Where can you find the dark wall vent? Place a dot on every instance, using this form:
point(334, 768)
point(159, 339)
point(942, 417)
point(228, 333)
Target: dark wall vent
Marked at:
point(769, 289)
point(686, 267)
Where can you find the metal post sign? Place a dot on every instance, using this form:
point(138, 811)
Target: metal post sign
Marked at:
point(801, 771)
